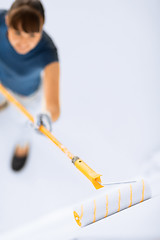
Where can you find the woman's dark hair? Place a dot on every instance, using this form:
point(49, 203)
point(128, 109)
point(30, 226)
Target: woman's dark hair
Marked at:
point(26, 14)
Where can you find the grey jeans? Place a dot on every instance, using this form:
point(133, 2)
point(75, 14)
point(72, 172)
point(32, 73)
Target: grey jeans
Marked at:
point(34, 104)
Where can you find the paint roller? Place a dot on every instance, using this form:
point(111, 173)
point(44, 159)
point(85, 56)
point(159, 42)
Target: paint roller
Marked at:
point(112, 201)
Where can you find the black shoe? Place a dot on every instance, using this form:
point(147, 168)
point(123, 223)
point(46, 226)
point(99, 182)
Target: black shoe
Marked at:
point(18, 162)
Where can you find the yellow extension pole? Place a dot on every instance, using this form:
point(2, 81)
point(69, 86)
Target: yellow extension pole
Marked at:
point(94, 177)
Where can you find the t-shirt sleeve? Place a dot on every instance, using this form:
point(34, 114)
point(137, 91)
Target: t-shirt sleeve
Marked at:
point(50, 55)
point(49, 49)
point(2, 14)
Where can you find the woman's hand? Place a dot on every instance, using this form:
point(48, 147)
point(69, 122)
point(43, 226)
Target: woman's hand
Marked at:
point(43, 119)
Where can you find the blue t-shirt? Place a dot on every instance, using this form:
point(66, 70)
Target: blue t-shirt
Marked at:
point(21, 73)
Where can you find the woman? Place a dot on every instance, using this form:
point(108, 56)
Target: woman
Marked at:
point(25, 52)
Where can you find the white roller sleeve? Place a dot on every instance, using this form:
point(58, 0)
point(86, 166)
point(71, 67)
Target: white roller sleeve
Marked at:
point(108, 203)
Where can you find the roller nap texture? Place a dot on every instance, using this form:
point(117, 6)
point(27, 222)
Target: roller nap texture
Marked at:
point(110, 202)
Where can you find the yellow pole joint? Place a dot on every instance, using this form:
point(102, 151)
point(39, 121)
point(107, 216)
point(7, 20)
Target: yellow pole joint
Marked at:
point(94, 177)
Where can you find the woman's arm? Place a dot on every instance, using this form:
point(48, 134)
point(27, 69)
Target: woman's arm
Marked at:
point(51, 89)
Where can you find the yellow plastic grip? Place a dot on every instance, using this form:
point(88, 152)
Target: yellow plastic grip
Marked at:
point(89, 173)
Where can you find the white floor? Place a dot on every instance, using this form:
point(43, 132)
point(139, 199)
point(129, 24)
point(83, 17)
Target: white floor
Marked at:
point(110, 118)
